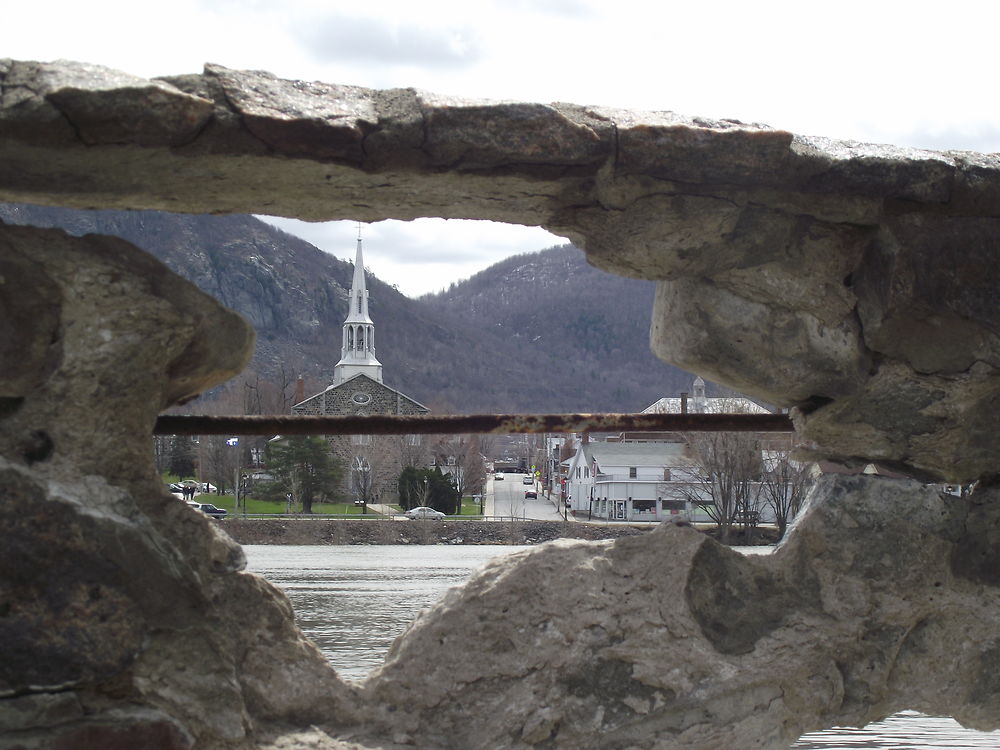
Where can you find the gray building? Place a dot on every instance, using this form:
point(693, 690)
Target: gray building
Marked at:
point(373, 462)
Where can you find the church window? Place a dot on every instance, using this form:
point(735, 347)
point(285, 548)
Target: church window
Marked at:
point(350, 337)
point(359, 303)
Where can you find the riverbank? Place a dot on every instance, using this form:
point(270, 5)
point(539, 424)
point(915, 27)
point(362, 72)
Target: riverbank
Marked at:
point(349, 531)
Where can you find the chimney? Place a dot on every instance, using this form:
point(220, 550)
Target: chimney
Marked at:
point(300, 391)
point(684, 402)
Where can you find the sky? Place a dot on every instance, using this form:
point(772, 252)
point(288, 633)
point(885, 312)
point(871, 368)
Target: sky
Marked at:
point(910, 73)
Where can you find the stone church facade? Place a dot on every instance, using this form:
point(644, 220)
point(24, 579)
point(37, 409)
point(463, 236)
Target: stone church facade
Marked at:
point(372, 463)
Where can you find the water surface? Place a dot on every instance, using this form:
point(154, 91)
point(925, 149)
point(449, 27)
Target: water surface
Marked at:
point(353, 601)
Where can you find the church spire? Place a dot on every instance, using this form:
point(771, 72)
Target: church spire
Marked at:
point(357, 349)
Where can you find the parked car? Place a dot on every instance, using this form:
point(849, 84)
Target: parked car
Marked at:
point(528, 480)
point(498, 475)
point(530, 493)
point(174, 487)
point(422, 511)
point(209, 509)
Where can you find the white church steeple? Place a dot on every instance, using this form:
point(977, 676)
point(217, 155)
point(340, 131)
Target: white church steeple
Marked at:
point(357, 350)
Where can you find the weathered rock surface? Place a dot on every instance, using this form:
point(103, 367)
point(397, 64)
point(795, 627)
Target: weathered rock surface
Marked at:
point(670, 640)
point(312, 531)
point(112, 594)
point(855, 283)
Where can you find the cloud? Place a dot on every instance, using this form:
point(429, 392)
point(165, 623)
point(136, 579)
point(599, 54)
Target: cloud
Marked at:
point(424, 255)
point(388, 41)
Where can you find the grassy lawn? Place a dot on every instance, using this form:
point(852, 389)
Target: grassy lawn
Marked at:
point(469, 507)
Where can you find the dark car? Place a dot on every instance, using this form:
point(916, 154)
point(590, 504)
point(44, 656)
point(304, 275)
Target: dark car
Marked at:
point(210, 509)
point(530, 493)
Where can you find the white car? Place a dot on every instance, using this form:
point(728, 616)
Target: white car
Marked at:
point(528, 480)
point(498, 475)
point(422, 511)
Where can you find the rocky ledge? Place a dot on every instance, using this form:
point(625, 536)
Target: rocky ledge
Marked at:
point(313, 531)
point(855, 284)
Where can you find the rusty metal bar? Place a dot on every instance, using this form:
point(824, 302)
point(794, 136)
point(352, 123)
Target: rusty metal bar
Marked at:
point(469, 424)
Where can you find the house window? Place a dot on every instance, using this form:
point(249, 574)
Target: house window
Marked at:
point(413, 439)
point(631, 472)
point(666, 475)
point(361, 439)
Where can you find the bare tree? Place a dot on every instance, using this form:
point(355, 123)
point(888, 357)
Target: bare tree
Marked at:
point(726, 472)
point(219, 457)
point(460, 456)
point(784, 484)
point(374, 469)
point(413, 450)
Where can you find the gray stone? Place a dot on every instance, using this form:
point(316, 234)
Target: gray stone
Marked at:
point(825, 276)
point(853, 283)
point(670, 640)
point(113, 593)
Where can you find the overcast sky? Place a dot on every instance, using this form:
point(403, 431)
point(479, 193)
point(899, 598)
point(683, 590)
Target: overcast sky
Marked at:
point(910, 73)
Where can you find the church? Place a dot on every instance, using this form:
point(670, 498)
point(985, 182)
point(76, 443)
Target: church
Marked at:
point(372, 463)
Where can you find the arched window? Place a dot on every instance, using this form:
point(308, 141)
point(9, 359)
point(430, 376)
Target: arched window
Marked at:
point(350, 337)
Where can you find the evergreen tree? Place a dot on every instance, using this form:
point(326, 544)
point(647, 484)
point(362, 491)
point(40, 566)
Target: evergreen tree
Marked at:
point(305, 467)
point(427, 487)
point(181, 458)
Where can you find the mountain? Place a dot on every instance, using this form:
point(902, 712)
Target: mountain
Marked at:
point(540, 332)
point(567, 317)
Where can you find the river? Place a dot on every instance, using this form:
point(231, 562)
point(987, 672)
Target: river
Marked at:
point(353, 601)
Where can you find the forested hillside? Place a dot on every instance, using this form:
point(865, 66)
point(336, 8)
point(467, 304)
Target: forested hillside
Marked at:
point(569, 317)
point(539, 332)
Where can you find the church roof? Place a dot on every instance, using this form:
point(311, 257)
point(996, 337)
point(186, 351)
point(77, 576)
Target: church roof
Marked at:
point(368, 383)
point(714, 405)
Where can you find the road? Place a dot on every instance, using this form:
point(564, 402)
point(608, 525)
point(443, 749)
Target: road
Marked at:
point(508, 499)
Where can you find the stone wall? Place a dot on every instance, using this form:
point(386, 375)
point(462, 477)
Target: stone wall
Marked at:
point(383, 453)
point(855, 284)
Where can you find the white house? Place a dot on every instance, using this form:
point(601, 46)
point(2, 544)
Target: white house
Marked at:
point(632, 481)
